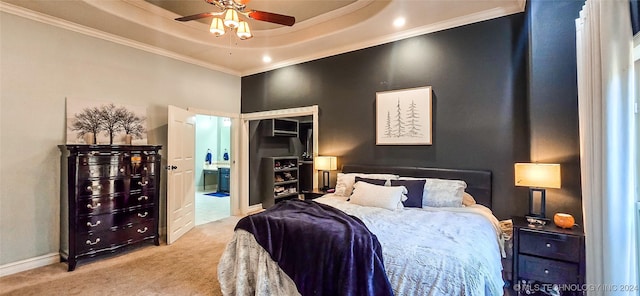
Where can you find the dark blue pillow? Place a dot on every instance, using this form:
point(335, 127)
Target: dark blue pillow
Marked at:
point(415, 189)
point(371, 181)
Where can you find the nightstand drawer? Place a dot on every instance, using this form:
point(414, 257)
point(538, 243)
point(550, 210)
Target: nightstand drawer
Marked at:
point(550, 245)
point(547, 271)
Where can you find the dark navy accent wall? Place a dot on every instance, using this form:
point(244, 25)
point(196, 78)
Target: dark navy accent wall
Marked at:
point(481, 112)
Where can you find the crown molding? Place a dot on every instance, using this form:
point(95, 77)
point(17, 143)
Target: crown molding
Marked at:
point(451, 23)
point(60, 23)
point(440, 26)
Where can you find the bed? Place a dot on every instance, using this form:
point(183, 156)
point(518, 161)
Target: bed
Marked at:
point(427, 250)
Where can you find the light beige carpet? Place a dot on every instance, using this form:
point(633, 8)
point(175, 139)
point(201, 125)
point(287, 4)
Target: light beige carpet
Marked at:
point(186, 267)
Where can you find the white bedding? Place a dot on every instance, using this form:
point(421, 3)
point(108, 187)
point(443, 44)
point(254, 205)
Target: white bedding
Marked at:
point(430, 251)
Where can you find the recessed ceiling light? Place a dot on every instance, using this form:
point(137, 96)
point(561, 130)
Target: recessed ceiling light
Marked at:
point(266, 59)
point(399, 22)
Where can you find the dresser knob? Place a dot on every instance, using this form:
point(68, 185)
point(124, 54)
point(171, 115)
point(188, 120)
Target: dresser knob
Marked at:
point(143, 230)
point(93, 225)
point(90, 206)
point(143, 197)
point(143, 215)
point(122, 170)
point(546, 271)
point(93, 243)
point(143, 183)
point(548, 245)
point(90, 187)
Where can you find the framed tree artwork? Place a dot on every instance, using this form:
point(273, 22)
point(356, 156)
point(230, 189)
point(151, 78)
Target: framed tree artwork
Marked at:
point(403, 117)
point(105, 123)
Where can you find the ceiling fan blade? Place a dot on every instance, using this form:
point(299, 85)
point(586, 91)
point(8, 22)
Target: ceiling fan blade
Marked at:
point(194, 17)
point(272, 17)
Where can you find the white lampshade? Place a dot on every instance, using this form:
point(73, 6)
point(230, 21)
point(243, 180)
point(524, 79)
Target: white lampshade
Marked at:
point(231, 18)
point(243, 31)
point(326, 163)
point(540, 175)
point(217, 27)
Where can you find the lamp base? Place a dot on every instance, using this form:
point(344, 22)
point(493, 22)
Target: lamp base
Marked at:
point(536, 220)
point(541, 200)
point(325, 181)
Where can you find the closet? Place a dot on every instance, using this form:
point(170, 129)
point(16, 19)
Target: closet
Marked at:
point(279, 141)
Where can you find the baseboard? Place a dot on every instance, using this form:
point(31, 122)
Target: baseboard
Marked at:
point(254, 208)
point(28, 264)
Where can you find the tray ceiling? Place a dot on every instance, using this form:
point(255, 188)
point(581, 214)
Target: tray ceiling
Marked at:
point(323, 28)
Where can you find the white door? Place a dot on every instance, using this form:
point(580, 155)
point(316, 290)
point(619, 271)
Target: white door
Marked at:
point(180, 173)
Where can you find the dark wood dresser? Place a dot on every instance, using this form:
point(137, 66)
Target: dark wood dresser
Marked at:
point(109, 200)
point(547, 255)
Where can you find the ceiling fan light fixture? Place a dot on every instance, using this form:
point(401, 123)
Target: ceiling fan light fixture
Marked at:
point(243, 32)
point(231, 18)
point(217, 27)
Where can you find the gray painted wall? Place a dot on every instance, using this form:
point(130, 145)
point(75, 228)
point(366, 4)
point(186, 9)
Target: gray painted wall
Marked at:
point(504, 91)
point(479, 100)
point(553, 98)
point(40, 66)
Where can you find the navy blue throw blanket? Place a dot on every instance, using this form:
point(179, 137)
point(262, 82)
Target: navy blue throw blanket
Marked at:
point(322, 249)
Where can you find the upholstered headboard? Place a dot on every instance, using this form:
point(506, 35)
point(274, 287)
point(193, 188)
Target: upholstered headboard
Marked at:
point(478, 182)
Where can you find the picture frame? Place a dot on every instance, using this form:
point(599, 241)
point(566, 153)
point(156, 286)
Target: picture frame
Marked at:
point(105, 123)
point(403, 117)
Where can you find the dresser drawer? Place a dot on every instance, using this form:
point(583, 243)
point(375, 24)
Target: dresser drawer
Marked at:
point(547, 271)
point(143, 184)
point(102, 171)
point(97, 205)
point(102, 187)
point(97, 223)
point(115, 237)
point(100, 158)
point(114, 203)
point(550, 245)
point(141, 198)
point(143, 169)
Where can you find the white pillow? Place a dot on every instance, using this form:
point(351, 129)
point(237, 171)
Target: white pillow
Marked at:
point(441, 192)
point(385, 197)
point(345, 182)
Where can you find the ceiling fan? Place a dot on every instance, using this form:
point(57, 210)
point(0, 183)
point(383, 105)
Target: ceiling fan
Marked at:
point(228, 17)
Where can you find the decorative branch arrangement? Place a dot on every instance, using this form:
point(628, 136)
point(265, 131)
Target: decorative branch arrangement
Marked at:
point(110, 119)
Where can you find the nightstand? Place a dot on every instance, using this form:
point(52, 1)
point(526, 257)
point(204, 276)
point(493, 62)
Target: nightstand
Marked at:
point(548, 255)
point(312, 194)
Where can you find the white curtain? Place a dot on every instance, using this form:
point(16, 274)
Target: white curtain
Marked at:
point(607, 145)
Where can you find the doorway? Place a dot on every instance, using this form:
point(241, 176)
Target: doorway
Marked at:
point(244, 205)
point(212, 168)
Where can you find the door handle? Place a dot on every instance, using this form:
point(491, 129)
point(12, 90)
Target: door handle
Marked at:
point(171, 167)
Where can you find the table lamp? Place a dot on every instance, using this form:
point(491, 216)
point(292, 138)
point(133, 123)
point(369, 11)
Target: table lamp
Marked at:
point(325, 164)
point(537, 176)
